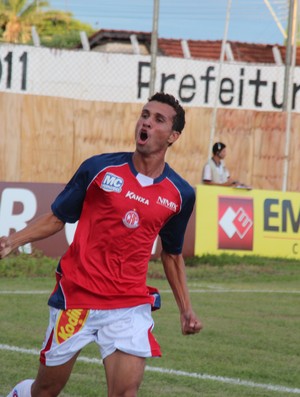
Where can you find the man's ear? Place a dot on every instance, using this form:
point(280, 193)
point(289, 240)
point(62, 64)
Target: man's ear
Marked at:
point(173, 137)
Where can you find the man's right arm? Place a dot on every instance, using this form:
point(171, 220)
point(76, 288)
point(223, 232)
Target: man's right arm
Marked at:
point(45, 226)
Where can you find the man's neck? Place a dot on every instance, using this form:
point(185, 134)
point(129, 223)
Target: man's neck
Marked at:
point(151, 166)
point(216, 159)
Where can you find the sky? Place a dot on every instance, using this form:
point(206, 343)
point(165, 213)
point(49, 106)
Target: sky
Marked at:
point(251, 21)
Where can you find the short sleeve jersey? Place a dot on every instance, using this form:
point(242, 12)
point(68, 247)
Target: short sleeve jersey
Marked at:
point(119, 219)
point(215, 173)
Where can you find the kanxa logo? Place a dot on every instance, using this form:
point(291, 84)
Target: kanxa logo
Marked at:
point(235, 223)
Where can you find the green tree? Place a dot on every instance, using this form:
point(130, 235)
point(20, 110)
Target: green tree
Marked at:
point(55, 28)
point(60, 30)
point(17, 17)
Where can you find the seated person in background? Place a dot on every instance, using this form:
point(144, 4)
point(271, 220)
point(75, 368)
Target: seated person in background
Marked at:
point(214, 171)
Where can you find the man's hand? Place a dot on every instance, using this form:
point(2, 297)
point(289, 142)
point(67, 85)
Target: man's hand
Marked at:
point(5, 247)
point(190, 323)
point(44, 226)
point(231, 182)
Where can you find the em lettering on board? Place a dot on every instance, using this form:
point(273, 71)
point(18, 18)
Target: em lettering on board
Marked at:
point(280, 216)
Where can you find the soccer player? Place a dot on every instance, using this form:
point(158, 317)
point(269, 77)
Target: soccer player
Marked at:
point(122, 202)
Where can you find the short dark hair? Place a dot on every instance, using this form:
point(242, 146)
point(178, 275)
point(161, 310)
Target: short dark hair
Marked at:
point(179, 118)
point(218, 146)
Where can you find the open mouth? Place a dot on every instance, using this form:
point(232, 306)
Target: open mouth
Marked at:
point(143, 136)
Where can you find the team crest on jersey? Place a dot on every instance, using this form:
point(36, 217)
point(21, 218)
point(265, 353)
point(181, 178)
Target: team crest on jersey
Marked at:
point(69, 322)
point(112, 183)
point(166, 203)
point(131, 219)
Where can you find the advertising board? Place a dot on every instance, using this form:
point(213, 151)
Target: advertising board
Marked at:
point(255, 222)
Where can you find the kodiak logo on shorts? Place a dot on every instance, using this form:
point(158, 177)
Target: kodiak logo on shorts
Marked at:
point(69, 322)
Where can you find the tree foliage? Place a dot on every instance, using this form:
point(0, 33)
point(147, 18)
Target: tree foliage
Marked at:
point(55, 28)
point(17, 17)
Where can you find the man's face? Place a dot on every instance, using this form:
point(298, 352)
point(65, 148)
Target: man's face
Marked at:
point(222, 153)
point(154, 129)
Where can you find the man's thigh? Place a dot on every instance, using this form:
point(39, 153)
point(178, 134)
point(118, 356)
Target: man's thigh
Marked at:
point(51, 380)
point(124, 373)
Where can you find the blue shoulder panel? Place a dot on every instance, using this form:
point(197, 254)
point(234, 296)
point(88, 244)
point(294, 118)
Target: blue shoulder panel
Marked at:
point(68, 204)
point(172, 233)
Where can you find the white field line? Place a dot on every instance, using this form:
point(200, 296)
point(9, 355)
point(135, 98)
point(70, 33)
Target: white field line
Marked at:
point(212, 290)
point(227, 290)
point(222, 379)
point(20, 292)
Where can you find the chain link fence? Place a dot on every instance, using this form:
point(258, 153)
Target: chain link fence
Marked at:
point(120, 77)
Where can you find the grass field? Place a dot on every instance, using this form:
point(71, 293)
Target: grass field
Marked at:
point(250, 345)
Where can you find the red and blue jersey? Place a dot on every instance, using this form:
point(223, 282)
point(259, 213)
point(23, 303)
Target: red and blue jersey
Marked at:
point(119, 217)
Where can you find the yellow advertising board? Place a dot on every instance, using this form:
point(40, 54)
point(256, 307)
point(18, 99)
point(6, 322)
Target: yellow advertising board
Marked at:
point(247, 222)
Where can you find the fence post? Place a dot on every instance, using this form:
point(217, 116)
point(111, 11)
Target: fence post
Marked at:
point(154, 47)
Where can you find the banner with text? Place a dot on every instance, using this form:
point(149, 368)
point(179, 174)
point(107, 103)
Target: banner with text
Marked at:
point(113, 77)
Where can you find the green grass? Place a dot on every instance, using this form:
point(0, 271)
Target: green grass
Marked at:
point(249, 307)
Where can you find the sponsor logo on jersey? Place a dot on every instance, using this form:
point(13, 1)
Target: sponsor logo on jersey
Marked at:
point(112, 183)
point(235, 228)
point(136, 197)
point(166, 203)
point(69, 323)
point(131, 219)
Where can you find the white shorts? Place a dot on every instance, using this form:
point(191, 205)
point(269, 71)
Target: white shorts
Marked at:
point(128, 330)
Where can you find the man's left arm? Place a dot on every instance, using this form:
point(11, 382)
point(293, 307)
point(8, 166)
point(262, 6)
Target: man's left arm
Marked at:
point(174, 268)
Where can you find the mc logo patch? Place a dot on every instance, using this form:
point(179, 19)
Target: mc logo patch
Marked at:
point(112, 183)
point(69, 322)
point(235, 223)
